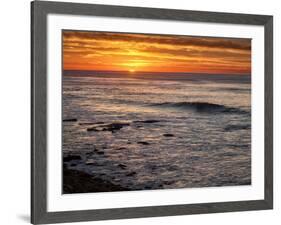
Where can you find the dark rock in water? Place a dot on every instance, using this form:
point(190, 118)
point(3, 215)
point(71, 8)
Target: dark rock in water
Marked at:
point(69, 120)
point(109, 127)
point(147, 121)
point(121, 148)
point(100, 152)
point(75, 181)
point(97, 151)
point(143, 143)
point(237, 127)
point(168, 135)
point(122, 166)
point(115, 126)
point(131, 174)
point(91, 123)
point(94, 129)
point(73, 164)
point(71, 157)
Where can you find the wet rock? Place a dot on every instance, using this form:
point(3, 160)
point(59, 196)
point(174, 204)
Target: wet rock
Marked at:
point(100, 153)
point(69, 120)
point(168, 135)
point(91, 123)
point(115, 126)
point(147, 121)
point(122, 166)
point(143, 143)
point(75, 181)
point(95, 150)
point(71, 157)
point(131, 174)
point(109, 127)
point(73, 164)
point(121, 148)
point(94, 129)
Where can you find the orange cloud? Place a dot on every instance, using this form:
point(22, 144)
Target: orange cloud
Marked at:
point(155, 53)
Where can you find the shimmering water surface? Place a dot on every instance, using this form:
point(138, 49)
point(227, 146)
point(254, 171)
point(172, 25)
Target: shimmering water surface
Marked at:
point(172, 130)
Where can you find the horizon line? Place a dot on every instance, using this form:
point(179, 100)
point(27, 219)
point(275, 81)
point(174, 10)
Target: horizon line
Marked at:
point(136, 72)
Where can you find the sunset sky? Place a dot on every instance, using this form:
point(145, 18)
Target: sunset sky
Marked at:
point(155, 53)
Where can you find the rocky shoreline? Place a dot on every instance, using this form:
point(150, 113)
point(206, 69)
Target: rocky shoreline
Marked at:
point(78, 166)
point(75, 181)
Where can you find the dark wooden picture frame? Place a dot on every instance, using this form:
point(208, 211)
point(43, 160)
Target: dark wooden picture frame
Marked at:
point(39, 12)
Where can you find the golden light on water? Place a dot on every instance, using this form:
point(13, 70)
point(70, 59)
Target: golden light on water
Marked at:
point(155, 53)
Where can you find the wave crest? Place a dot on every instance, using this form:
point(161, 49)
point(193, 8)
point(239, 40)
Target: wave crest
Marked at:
point(201, 107)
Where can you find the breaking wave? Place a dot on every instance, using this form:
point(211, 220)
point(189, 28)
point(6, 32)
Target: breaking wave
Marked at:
point(201, 107)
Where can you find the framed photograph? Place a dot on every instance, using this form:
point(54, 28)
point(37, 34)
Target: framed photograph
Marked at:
point(144, 112)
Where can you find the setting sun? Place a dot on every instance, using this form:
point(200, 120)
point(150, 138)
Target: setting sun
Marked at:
point(105, 51)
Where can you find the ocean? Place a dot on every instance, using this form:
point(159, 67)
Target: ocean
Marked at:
point(147, 131)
